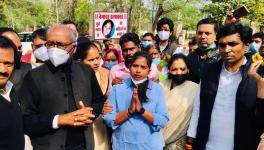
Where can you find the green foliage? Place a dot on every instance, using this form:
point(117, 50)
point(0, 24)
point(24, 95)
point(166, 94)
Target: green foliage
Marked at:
point(189, 14)
point(216, 10)
point(83, 12)
point(21, 14)
point(219, 10)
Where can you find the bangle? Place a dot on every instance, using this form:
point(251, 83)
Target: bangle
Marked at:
point(129, 113)
point(142, 110)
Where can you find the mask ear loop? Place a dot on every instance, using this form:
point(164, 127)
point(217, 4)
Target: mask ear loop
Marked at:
point(71, 52)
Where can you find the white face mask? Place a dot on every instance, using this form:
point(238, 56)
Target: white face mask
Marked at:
point(58, 56)
point(41, 53)
point(137, 82)
point(164, 35)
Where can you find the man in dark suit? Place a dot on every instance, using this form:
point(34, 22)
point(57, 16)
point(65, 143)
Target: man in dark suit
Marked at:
point(21, 68)
point(227, 110)
point(207, 51)
point(61, 98)
point(11, 126)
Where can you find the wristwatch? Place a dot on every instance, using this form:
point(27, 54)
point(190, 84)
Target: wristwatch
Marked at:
point(142, 110)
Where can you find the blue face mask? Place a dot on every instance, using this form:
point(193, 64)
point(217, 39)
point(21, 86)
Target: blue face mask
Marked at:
point(145, 44)
point(254, 47)
point(110, 64)
point(156, 61)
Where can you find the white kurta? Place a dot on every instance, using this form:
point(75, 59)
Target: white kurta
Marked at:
point(222, 126)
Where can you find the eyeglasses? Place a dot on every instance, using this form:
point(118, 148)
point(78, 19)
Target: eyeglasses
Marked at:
point(57, 44)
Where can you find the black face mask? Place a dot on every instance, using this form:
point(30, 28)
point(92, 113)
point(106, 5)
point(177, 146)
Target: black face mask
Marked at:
point(128, 61)
point(179, 78)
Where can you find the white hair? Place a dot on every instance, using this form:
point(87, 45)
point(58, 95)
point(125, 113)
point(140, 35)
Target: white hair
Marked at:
point(73, 33)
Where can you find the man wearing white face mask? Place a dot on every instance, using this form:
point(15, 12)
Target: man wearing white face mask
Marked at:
point(40, 54)
point(61, 98)
point(165, 31)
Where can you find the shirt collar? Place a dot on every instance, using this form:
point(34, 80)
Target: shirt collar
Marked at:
point(61, 67)
point(7, 89)
point(244, 63)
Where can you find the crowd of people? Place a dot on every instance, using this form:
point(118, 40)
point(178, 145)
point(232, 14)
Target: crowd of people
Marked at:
point(75, 94)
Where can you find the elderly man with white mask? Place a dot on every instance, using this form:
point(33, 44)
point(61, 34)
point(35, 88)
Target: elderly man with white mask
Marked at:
point(61, 98)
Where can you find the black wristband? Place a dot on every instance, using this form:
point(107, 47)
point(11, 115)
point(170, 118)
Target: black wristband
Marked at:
point(129, 113)
point(142, 110)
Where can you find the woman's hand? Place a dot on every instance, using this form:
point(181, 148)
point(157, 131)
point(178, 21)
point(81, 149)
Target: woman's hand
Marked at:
point(137, 101)
point(132, 107)
point(107, 108)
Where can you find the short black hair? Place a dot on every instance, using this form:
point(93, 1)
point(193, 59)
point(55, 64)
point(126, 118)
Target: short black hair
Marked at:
point(148, 34)
point(6, 29)
point(83, 48)
point(70, 22)
point(97, 42)
point(152, 46)
point(245, 32)
point(41, 33)
point(258, 35)
point(114, 51)
point(176, 57)
point(142, 54)
point(7, 43)
point(192, 42)
point(209, 21)
point(129, 37)
point(163, 21)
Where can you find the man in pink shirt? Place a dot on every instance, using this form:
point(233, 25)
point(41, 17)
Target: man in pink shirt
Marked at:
point(129, 43)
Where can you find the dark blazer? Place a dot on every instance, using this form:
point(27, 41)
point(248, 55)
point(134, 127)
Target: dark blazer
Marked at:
point(44, 94)
point(11, 125)
point(197, 63)
point(246, 130)
point(19, 74)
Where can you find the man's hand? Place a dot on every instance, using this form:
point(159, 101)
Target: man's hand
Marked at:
point(117, 80)
point(230, 18)
point(107, 108)
point(253, 70)
point(259, 80)
point(80, 117)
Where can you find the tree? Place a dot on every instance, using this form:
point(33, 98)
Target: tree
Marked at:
point(84, 12)
point(219, 9)
point(23, 14)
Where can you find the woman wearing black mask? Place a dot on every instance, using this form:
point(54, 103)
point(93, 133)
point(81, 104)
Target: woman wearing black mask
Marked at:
point(179, 94)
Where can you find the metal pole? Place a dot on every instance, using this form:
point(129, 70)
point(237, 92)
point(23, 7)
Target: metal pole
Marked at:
point(57, 11)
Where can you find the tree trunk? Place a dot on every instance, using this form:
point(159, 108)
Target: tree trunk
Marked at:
point(156, 18)
point(71, 9)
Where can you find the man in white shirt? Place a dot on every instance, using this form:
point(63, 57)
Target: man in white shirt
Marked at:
point(11, 127)
point(224, 113)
